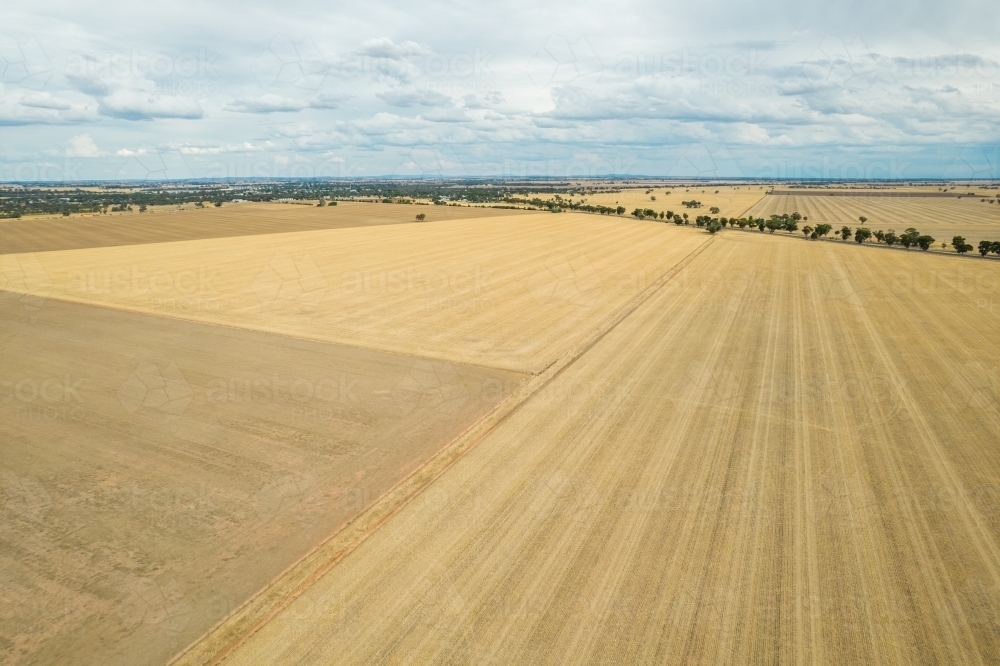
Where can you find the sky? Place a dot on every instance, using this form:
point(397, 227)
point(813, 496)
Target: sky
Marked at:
point(713, 89)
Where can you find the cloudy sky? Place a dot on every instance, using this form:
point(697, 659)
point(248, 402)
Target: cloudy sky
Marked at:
point(891, 89)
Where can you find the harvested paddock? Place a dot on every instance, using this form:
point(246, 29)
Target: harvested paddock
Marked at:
point(155, 473)
point(941, 217)
point(245, 219)
point(507, 292)
point(731, 200)
point(787, 454)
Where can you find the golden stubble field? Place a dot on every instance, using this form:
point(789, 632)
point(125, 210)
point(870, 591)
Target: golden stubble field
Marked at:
point(731, 200)
point(457, 290)
point(786, 455)
point(736, 449)
point(943, 218)
point(244, 219)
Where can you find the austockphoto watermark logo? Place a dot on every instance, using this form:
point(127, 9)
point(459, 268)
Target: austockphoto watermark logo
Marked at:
point(340, 389)
point(44, 400)
point(184, 290)
point(24, 63)
point(466, 289)
point(281, 166)
point(162, 68)
point(57, 170)
point(831, 168)
point(691, 62)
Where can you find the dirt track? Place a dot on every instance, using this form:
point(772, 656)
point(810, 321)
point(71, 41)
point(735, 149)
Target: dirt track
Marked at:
point(776, 459)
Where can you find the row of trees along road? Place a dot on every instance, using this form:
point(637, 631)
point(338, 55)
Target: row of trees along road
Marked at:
point(790, 223)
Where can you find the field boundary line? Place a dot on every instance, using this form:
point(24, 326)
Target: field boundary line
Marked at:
point(231, 632)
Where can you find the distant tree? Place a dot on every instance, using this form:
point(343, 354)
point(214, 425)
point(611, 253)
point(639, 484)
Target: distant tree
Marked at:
point(909, 238)
point(142, 208)
point(879, 236)
point(823, 229)
point(985, 247)
point(995, 247)
point(958, 242)
point(685, 218)
point(796, 216)
point(845, 233)
point(925, 242)
point(742, 223)
point(862, 234)
point(218, 204)
point(761, 224)
point(199, 204)
point(773, 224)
point(862, 219)
point(890, 238)
point(670, 214)
point(652, 198)
point(791, 225)
point(807, 231)
point(713, 226)
point(714, 210)
point(421, 217)
point(620, 209)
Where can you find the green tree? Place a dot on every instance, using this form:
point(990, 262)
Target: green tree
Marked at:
point(713, 210)
point(791, 225)
point(713, 226)
point(845, 233)
point(620, 209)
point(925, 242)
point(421, 217)
point(862, 219)
point(909, 237)
point(958, 242)
point(862, 234)
point(807, 231)
point(890, 238)
point(823, 229)
point(985, 247)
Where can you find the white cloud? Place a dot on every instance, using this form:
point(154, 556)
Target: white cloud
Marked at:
point(269, 103)
point(82, 146)
point(383, 47)
point(139, 105)
point(402, 97)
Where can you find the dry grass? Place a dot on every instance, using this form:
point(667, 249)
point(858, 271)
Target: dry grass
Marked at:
point(942, 218)
point(156, 473)
point(81, 231)
point(459, 290)
point(786, 455)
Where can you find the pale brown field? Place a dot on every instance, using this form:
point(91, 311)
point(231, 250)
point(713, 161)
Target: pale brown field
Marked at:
point(774, 459)
point(943, 218)
point(458, 290)
point(245, 219)
point(731, 200)
point(156, 473)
